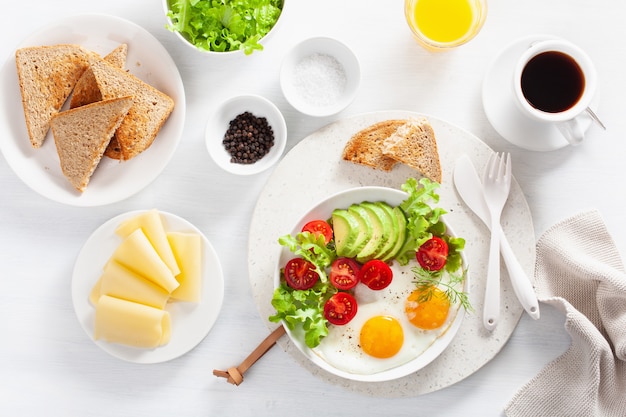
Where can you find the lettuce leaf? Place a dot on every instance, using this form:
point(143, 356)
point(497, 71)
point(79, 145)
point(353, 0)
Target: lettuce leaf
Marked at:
point(305, 308)
point(312, 248)
point(423, 221)
point(224, 25)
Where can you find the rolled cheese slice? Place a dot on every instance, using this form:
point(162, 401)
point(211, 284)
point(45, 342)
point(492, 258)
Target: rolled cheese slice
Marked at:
point(120, 282)
point(131, 324)
point(152, 225)
point(187, 248)
point(137, 254)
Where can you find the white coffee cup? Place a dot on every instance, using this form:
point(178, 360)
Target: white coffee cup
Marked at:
point(555, 81)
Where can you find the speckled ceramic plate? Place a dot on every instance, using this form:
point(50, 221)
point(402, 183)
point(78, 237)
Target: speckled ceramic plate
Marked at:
point(282, 203)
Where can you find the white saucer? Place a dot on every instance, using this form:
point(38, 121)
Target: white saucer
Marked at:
point(503, 113)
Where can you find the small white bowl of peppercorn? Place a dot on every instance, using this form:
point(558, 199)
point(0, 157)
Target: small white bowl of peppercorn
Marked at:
point(246, 135)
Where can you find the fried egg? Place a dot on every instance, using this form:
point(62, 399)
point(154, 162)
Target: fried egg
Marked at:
point(391, 327)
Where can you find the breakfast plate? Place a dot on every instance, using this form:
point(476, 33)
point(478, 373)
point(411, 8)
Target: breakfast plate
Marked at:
point(314, 170)
point(191, 322)
point(339, 352)
point(503, 113)
point(112, 181)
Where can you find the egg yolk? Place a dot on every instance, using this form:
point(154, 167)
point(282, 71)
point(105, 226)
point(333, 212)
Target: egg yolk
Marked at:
point(382, 337)
point(431, 313)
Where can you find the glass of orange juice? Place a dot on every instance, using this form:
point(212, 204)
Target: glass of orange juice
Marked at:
point(441, 24)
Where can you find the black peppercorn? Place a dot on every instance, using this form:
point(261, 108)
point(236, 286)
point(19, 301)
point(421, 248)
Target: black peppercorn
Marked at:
point(248, 138)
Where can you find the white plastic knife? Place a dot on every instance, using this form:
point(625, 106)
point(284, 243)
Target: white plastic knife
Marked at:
point(470, 188)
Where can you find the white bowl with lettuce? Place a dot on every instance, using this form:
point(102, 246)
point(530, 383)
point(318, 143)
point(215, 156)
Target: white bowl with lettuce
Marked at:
point(223, 29)
point(338, 349)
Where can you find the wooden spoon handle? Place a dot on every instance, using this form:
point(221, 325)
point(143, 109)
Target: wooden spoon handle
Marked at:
point(234, 375)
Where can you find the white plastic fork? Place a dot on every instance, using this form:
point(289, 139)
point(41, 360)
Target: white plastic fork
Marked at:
point(496, 185)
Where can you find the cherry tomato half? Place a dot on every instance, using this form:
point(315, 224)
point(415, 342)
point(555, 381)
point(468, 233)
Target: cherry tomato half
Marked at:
point(433, 253)
point(340, 308)
point(319, 227)
point(376, 274)
point(344, 273)
point(300, 274)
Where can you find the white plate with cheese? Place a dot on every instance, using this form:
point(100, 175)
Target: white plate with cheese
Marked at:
point(190, 322)
point(112, 181)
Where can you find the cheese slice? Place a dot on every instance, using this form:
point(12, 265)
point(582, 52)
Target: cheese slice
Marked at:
point(120, 282)
point(137, 254)
point(187, 248)
point(152, 225)
point(132, 324)
point(95, 294)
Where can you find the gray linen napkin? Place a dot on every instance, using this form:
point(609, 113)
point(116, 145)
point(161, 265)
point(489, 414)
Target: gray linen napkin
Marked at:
point(580, 272)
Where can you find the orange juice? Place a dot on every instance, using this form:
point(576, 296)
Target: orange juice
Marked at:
point(445, 23)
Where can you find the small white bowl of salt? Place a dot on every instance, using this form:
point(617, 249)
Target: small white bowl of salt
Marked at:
point(320, 76)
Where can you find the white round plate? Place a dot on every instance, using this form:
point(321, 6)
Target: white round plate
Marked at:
point(503, 113)
point(191, 322)
point(313, 170)
point(324, 210)
point(112, 181)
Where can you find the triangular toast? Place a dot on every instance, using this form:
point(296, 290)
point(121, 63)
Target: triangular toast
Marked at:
point(86, 90)
point(414, 144)
point(366, 146)
point(47, 75)
point(82, 134)
point(147, 115)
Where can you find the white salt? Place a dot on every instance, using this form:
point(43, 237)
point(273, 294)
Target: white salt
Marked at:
point(319, 79)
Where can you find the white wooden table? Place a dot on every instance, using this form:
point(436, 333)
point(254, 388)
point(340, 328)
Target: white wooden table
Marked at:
point(49, 366)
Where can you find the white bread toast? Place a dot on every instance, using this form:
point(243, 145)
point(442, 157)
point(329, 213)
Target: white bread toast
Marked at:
point(82, 134)
point(47, 75)
point(150, 109)
point(414, 144)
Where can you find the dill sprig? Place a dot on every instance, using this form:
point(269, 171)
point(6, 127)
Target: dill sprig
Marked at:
point(427, 280)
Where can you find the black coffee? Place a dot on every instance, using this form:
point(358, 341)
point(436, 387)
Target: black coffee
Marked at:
point(552, 82)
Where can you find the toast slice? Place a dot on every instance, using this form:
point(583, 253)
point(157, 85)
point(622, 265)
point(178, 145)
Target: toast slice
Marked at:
point(145, 118)
point(414, 144)
point(47, 75)
point(366, 146)
point(82, 134)
point(86, 90)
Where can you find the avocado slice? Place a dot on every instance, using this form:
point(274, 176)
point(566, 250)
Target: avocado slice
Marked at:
point(393, 231)
point(346, 231)
point(401, 237)
point(365, 229)
point(381, 226)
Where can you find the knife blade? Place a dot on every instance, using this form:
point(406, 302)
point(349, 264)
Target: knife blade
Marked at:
point(470, 188)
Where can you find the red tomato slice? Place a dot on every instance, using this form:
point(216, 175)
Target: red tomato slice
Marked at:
point(433, 254)
point(376, 274)
point(300, 274)
point(340, 308)
point(344, 273)
point(319, 227)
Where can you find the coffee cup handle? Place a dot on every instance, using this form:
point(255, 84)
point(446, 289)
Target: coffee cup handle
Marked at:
point(572, 130)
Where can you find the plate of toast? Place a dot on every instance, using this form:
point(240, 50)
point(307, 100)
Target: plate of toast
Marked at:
point(92, 110)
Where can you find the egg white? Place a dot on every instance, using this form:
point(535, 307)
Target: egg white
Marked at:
point(341, 348)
